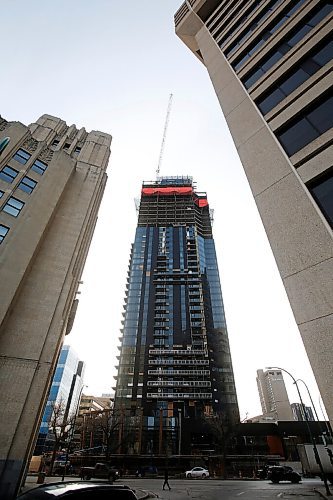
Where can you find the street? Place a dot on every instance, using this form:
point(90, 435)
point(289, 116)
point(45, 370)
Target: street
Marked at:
point(213, 489)
point(217, 489)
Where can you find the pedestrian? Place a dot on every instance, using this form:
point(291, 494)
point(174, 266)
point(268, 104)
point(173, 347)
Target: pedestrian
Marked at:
point(166, 479)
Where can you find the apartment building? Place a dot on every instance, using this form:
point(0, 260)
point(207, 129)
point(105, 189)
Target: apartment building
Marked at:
point(175, 365)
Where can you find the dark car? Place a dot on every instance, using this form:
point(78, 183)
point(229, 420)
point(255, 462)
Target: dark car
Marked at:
point(100, 471)
point(79, 490)
point(277, 473)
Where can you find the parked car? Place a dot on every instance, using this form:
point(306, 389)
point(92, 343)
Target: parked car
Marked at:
point(197, 472)
point(100, 471)
point(78, 490)
point(277, 473)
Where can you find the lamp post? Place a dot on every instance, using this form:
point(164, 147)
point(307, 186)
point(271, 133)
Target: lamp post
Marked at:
point(313, 406)
point(72, 432)
point(180, 431)
point(315, 449)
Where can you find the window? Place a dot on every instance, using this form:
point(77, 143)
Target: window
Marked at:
point(77, 150)
point(3, 231)
point(8, 174)
point(54, 144)
point(67, 145)
point(252, 27)
point(302, 70)
point(39, 167)
point(27, 185)
point(22, 156)
point(265, 35)
point(322, 191)
point(1, 194)
point(13, 206)
point(307, 126)
point(295, 35)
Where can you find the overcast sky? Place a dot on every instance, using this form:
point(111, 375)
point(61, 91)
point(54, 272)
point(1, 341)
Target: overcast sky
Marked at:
point(110, 66)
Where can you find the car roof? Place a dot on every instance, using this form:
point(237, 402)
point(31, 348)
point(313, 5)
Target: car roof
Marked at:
point(57, 489)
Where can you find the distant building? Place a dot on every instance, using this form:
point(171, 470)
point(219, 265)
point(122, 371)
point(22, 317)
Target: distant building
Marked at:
point(270, 63)
point(65, 389)
point(273, 395)
point(52, 179)
point(298, 412)
point(87, 434)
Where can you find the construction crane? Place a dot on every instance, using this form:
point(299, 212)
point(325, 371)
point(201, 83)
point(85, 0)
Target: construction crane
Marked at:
point(164, 136)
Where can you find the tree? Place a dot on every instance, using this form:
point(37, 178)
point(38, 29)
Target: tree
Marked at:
point(61, 428)
point(222, 432)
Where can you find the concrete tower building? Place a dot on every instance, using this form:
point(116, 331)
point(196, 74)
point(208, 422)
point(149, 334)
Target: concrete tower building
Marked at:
point(52, 179)
point(270, 63)
point(175, 365)
point(273, 395)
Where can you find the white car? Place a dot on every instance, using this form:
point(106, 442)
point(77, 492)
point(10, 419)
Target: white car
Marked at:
point(197, 472)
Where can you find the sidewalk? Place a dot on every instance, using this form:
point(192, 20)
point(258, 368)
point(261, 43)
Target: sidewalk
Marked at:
point(31, 483)
point(322, 492)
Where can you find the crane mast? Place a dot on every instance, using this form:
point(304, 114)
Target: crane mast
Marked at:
point(164, 136)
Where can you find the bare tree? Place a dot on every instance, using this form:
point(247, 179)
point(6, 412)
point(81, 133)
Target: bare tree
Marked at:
point(222, 432)
point(109, 423)
point(61, 427)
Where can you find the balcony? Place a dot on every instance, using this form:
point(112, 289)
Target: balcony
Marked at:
point(178, 362)
point(178, 383)
point(172, 372)
point(179, 395)
point(178, 352)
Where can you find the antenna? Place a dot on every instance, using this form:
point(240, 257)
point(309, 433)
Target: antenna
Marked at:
point(164, 136)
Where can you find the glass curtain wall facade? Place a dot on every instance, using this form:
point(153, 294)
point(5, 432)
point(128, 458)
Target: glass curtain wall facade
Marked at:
point(65, 389)
point(175, 366)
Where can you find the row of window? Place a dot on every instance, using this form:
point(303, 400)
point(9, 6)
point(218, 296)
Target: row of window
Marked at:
point(312, 122)
point(66, 146)
point(279, 21)
point(301, 71)
point(27, 184)
point(8, 174)
point(259, 19)
point(230, 32)
point(293, 37)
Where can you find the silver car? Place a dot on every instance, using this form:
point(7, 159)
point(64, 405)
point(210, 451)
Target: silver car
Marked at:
point(197, 472)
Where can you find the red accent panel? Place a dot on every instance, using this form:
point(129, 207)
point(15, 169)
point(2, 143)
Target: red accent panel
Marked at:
point(202, 202)
point(167, 191)
point(275, 445)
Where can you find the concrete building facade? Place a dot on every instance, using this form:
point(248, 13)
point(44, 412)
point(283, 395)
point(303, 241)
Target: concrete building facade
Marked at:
point(52, 179)
point(273, 395)
point(270, 63)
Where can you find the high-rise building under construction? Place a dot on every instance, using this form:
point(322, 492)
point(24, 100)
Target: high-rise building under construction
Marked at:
point(174, 366)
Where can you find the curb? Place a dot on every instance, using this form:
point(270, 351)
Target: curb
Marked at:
point(146, 494)
point(321, 494)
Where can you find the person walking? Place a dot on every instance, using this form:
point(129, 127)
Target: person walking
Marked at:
point(166, 479)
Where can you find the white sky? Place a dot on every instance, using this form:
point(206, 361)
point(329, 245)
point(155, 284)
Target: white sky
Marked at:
point(111, 65)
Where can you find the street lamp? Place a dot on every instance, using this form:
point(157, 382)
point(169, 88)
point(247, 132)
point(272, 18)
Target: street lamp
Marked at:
point(313, 406)
point(180, 431)
point(315, 449)
point(72, 433)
